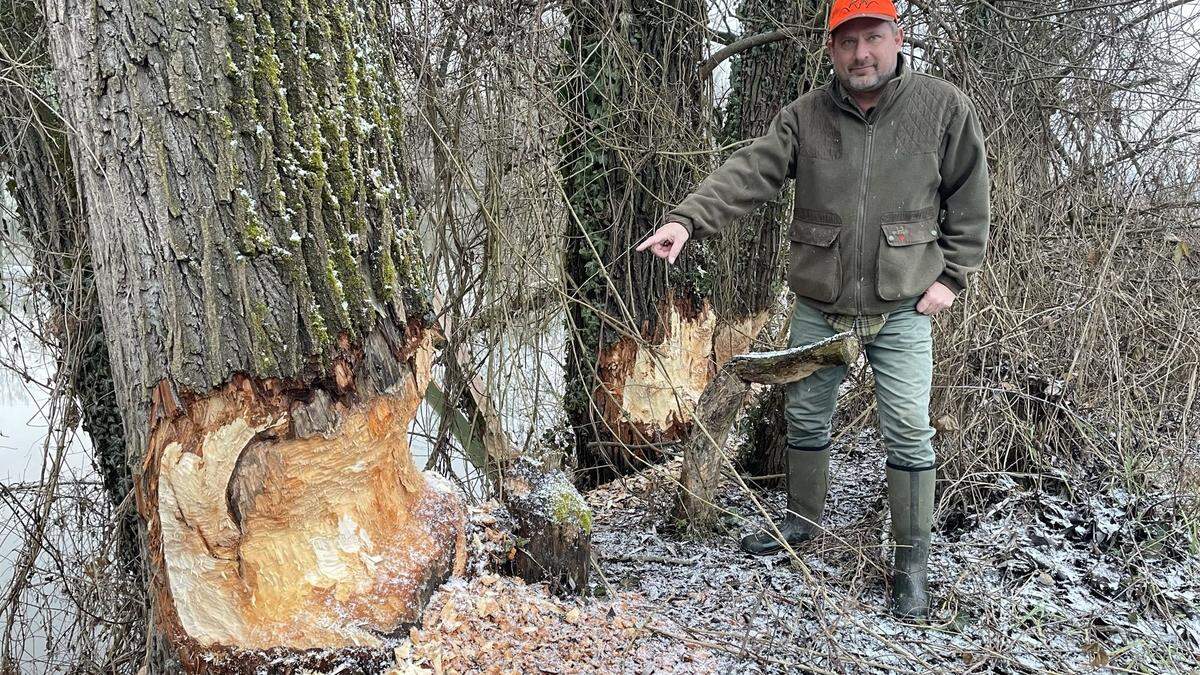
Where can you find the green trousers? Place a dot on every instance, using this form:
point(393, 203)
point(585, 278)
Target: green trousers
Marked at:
point(901, 356)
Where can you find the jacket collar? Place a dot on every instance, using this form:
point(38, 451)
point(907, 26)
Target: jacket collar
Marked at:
point(890, 90)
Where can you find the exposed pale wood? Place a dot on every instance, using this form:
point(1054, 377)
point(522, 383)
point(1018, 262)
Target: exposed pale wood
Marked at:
point(269, 539)
point(664, 381)
point(646, 391)
point(733, 336)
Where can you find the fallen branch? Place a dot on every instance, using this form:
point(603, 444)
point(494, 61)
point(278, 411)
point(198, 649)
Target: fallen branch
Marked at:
point(719, 405)
point(792, 365)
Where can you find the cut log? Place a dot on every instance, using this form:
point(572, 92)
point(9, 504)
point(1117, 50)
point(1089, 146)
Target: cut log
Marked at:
point(792, 365)
point(554, 526)
point(703, 452)
point(701, 471)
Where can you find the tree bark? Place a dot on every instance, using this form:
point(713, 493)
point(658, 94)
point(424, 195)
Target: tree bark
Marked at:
point(264, 309)
point(641, 333)
point(49, 217)
point(792, 365)
point(762, 455)
point(703, 451)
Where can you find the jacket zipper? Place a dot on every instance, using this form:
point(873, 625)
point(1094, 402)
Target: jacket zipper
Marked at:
point(862, 217)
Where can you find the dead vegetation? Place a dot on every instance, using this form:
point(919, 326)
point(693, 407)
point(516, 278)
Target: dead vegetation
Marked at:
point(1035, 583)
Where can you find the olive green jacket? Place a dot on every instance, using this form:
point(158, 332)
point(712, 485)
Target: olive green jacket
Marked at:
point(886, 203)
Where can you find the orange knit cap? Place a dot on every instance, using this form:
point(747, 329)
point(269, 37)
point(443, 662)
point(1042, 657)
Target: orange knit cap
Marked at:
point(844, 10)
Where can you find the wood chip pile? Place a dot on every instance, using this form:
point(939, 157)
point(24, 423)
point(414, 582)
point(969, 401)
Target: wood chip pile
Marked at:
point(494, 624)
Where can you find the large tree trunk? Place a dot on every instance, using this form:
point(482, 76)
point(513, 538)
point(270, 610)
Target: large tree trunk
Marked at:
point(263, 304)
point(641, 334)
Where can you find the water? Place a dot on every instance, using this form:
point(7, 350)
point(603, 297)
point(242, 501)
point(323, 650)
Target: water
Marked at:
point(27, 446)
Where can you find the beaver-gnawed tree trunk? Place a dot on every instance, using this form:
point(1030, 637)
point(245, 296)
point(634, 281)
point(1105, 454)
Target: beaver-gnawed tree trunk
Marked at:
point(263, 304)
point(641, 335)
point(647, 339)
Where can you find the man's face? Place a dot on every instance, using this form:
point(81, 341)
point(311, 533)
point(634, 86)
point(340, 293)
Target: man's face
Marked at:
point(864, 53)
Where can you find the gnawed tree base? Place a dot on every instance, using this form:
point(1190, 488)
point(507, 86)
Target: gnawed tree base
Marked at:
point(648, 392)
point(719, 406)
point(294, 518)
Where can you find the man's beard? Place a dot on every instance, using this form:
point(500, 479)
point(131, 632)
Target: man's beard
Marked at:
point(862, 86)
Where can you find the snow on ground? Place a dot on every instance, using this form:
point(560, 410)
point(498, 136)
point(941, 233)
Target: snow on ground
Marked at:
point(1035, 583)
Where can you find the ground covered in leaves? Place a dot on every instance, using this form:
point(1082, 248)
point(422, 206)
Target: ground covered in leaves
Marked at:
point(1044, 580)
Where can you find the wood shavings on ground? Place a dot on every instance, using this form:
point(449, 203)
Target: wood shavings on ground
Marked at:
point(499, 625)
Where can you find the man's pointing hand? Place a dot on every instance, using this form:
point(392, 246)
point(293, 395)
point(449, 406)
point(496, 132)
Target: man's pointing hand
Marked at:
point(666, 242)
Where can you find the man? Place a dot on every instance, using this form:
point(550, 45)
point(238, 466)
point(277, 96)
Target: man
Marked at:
point(891, 213)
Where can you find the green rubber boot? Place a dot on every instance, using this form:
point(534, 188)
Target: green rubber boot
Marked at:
point(807, 484)
point(910, 497)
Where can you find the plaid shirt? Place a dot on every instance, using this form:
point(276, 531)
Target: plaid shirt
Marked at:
point(865, 326)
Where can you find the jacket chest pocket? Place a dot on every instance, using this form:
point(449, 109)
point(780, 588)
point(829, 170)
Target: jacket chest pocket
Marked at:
point(909, 256)
point(814, 265)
